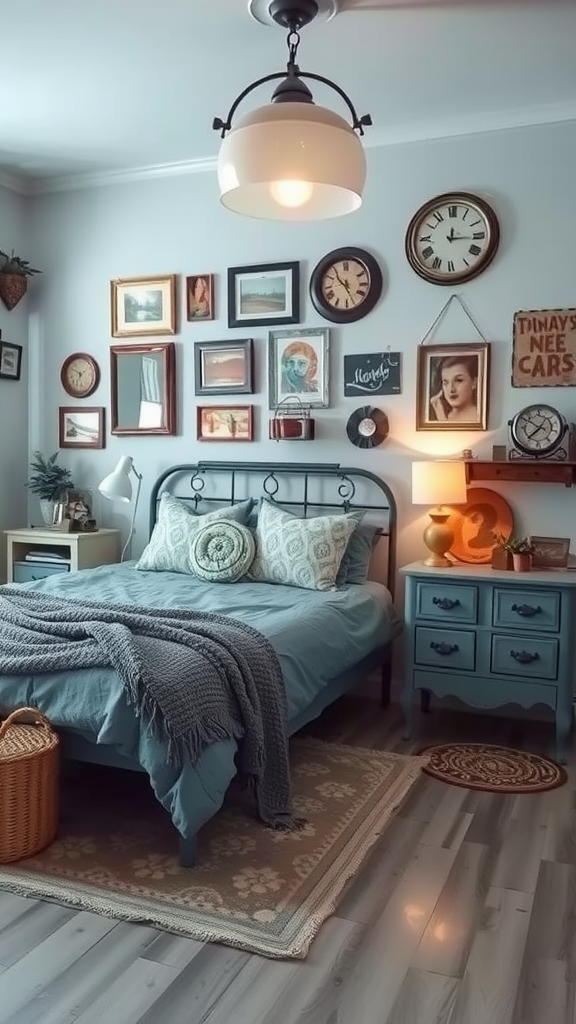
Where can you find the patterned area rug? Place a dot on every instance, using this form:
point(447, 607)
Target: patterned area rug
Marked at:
point(493, 768)
point(254, 888)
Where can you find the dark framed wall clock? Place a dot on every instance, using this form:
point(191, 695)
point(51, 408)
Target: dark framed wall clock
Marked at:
point(452, 238)
point(345, 285)
point(80, 375)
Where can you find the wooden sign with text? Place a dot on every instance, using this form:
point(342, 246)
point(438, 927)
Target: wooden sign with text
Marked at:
point(544, 348)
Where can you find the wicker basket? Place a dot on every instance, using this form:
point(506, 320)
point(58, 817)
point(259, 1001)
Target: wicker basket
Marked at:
point(29, 760)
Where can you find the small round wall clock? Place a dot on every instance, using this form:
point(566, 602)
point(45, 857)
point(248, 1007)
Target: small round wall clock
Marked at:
point(80, 375)
point(452, 238)
point(538, 432)
point(345, 285)
point(367, 427)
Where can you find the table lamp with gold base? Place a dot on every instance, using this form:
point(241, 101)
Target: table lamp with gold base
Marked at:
point(439, 484)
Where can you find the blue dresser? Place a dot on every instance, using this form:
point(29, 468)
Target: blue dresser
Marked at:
point(490, 638)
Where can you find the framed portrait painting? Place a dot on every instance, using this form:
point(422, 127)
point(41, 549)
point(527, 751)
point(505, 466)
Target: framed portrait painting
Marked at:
point(81, 427)
point(452, 384)
point(263, 295)
point(200, 297)
point(142, 306)
point(298, 366)
point(10, 361)
point(223, 367)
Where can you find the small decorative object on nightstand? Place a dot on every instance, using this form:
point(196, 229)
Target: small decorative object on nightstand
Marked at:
point(490, 638)
point(439, 484)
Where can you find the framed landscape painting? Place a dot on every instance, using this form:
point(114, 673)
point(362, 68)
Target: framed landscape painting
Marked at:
point(142, 306)
point(81, 427)
point(223, 367)
point(10, 360)
point(263, 295)
point(224, 422)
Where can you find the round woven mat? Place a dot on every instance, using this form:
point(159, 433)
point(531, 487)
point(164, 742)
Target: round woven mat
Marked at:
point(492, 768)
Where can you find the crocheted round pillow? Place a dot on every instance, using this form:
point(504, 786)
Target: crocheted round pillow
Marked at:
point(222, 551)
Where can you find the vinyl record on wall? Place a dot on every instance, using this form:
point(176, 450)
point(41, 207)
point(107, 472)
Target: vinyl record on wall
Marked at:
point(367, 427)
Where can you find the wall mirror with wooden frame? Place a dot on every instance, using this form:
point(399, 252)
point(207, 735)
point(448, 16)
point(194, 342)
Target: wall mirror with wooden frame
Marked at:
point(143, 386)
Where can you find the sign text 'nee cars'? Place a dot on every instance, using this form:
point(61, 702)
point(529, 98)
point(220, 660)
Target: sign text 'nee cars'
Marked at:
point(544, 348)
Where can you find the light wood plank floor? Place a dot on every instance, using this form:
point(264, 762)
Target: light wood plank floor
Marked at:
point(463, 914)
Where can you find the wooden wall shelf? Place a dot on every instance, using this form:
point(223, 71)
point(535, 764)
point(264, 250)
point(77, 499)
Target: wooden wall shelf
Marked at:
point(529, 471)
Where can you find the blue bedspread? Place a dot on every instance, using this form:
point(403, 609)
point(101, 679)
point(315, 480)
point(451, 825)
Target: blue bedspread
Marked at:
point(316, 635)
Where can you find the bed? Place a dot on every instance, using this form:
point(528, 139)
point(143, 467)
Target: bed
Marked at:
point(326, 641)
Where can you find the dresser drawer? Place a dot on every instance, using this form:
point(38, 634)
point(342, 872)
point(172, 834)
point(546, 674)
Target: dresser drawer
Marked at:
point(445, 648)
point(537, 610)
point(446, 601)
point(26, 572)
point(524, 656)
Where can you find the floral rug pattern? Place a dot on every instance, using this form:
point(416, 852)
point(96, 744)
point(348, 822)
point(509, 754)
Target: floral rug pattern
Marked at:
point(254, 888)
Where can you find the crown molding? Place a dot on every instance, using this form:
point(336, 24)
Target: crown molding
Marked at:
point(15, 184)
point(470, 124)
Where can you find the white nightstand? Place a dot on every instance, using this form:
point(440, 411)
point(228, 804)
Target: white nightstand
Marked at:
point(50, 552)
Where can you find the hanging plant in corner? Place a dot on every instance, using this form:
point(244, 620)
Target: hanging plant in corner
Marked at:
point(14, 274)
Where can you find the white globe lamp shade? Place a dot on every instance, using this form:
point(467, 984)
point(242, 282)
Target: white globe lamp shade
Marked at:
point(292, 161)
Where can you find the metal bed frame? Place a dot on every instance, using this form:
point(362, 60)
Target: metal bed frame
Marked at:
point(307, 487)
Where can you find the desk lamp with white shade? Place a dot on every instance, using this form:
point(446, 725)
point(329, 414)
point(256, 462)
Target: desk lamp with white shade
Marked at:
point(438, 484)
point(117, 486)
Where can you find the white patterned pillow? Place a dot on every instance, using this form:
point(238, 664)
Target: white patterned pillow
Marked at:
point(222, 551)
point(170, 545)
point(300, 552)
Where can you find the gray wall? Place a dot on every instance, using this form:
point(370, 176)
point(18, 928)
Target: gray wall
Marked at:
point(82, 239)
point(14, 394)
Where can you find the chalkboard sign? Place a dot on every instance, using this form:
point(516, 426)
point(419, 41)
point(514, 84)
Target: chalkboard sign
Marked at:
point(376, 373)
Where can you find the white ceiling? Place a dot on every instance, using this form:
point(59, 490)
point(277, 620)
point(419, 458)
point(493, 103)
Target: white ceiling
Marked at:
point(89, 87)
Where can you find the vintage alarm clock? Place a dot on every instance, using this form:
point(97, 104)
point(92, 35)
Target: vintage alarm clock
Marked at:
point(541, 432)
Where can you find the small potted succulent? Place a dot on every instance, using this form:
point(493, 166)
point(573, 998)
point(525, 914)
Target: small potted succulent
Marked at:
point(50, 482)
point(14, 274)
point(521, 550)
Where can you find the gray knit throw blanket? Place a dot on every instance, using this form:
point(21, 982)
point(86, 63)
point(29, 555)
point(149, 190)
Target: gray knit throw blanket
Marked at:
point(193, 677)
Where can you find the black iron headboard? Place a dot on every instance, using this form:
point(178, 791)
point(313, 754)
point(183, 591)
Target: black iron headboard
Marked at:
point(307, 487)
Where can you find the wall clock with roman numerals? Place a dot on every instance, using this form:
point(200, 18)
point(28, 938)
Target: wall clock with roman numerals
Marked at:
point(345, 285)
point(452, 238)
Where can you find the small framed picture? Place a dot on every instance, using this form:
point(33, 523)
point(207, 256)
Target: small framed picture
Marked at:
point(298, 366)
point(142, 306)
point(10, 361)
point(223, 367)
point(200, 297)
point(81, 427)
point(78, 511)
point(224, 423)
point(550, 552)
point(452, 387)
point(264, 295)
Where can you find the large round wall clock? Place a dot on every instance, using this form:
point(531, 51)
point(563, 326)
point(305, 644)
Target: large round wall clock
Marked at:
point(346, 285)
point(452, 238)
point(80, 375)
point(538, 432)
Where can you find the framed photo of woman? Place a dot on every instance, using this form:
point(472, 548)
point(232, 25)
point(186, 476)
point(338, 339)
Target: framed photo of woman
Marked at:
point(452, 387)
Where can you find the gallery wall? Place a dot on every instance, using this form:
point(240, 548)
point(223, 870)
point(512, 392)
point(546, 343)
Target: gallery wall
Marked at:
point(82, 239)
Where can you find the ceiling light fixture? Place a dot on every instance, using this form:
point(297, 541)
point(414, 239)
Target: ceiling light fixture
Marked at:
point(291, 159)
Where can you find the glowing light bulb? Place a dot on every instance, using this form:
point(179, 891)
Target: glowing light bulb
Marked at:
point(291, 193)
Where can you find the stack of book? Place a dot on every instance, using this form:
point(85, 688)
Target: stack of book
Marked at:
point(45, 555)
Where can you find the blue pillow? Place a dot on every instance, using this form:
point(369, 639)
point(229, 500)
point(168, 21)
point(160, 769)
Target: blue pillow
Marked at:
point(356, 560)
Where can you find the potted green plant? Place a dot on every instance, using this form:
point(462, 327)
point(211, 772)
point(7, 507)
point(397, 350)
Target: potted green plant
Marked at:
point(14, 274)
point(521, 550)
point(50, 482)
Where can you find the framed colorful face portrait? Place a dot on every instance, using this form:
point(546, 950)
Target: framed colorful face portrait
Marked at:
point(298, 366)
point(200, 297)
point(452, 387)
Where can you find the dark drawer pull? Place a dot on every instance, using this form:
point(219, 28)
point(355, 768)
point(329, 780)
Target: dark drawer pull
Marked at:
point(526, 610)
point(442, 648)
point(525, 657)
point(446, 603)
